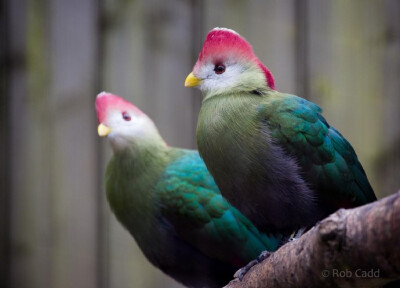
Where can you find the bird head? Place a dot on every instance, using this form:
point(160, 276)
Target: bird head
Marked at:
point(123, 123)
point(227, 63)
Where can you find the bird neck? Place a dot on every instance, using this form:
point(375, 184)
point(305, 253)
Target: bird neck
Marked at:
point(132, 175)
point(141, 157)
point(224, 129)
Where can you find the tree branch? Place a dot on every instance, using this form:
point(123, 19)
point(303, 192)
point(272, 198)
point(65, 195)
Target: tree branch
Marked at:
point(358, 247)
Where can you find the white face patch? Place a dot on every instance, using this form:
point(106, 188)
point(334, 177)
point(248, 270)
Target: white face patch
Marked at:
point(213, 81)
point(124, 133)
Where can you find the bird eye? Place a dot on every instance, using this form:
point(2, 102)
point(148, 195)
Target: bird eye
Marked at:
point(219, 68)
point(126, 116)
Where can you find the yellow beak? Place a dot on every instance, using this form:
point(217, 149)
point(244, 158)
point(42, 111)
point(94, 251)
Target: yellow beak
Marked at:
point(103, 130)
point(192, 81)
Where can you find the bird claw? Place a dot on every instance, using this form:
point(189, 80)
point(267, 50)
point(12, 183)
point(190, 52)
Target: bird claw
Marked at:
point(297, 235)
point(264, 255)
point(242, 271)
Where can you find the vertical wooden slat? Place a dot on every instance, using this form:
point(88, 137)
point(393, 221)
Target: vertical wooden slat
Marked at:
point(346, 72)
point(37, 189)
point(196, 41)
point(166, 60)
point(103, 251)
point(5, 156)
point(387, 164)
point(146, 62)
point(301, 48)
point(273, 39)
point(53, 195)
point(73, 43)
point(24, 228)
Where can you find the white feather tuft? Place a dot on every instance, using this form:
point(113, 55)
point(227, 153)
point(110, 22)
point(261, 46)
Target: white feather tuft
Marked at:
point(225, 29)
point(104, 93)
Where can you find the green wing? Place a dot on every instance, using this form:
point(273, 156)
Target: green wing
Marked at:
point(194, 206)
point(327, 159)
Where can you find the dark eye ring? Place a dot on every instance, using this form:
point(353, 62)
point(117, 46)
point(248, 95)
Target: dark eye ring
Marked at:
point(126, 116)
point(219, 68)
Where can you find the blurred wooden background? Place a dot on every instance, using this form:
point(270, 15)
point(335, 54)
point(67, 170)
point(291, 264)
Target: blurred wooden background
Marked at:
point(56, 227)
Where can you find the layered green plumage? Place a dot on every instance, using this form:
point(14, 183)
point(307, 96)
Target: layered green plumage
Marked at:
point(172, 207)
point(277, 160)
point(272, 155)
point(329, 162)
point(202, 216)
point(166, 198)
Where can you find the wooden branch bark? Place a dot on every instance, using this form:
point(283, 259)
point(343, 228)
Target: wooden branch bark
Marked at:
point(358, 247)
